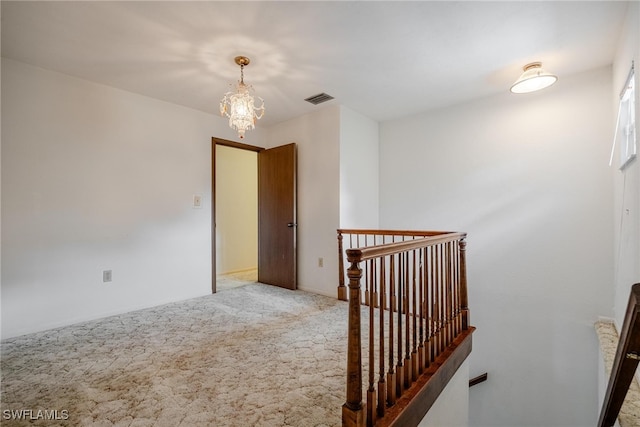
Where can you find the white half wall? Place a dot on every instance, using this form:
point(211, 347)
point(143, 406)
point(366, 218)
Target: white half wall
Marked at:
point(527, 177)
point(451, 409)
point(318, 138)
point(236, 210)
point(95, 178)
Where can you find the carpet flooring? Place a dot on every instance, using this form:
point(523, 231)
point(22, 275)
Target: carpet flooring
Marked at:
point(235, 280)
point(254, 355)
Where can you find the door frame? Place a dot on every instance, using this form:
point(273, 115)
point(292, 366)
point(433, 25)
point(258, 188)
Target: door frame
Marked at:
point(227, 143)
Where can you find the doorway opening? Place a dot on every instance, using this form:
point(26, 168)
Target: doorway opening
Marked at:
point(236, 217)
point(276, 212)
point(235, 214)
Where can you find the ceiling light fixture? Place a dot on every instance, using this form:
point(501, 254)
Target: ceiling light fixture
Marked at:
point(534, 78)
point(239, 106)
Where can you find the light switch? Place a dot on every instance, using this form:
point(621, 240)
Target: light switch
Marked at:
point(107, 276)
point(197, 201)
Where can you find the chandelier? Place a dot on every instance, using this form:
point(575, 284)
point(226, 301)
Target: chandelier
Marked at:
point(239, 106)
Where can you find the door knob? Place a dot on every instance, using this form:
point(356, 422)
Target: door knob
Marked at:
point(292, 224)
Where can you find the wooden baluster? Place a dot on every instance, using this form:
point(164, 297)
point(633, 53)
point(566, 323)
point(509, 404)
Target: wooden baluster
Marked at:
point(364, 295)
point(342, 289)
point(434, 303)
point(371, 282)
point(391, 376)
point(421, 298)
point(434, 299)
point(454, 288)
point(367, 289)
point(456, 280)
point(422, 337)
point(371, 392)
point(408, 369)
point(351, 245)
point(449, 299)
point(441, 296)
point(464, 302)
point(414, 317)
point(400, 365)
point(443, 303)
point(353, 410)
point(438, 300)
point(382, 395)
point(376, 283)
point(425, 303)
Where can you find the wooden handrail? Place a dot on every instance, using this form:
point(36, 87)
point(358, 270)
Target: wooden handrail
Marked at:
point(370, 252)
point(625, 362)
point(373, 232)
point(417, 325)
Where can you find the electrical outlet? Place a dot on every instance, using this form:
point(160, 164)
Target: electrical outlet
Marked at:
point(107, 276)
point(320, 262)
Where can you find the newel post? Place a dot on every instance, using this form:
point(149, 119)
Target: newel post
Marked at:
point(353, 414)
point(464, 299)
point(342, 289)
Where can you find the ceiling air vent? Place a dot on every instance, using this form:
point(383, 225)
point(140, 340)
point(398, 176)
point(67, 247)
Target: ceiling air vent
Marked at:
point(319, 98)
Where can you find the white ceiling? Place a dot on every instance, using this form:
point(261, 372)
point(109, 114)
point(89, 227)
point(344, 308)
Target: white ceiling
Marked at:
point(384, 59)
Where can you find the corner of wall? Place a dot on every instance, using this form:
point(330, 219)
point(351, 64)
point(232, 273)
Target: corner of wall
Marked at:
point(359, 170)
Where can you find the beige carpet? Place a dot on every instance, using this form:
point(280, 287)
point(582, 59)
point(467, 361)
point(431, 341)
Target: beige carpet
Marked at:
point(255, 355)
point(235, 280)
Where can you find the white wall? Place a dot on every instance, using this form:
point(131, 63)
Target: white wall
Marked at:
point(95, 178)
point(528, 178)
point(358, 170)
point(627, 182)
point(318, 138)
point(451, 409)
point(236, 210)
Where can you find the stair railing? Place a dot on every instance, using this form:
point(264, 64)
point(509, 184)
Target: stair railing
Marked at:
point(416, 326)
point(625, 363)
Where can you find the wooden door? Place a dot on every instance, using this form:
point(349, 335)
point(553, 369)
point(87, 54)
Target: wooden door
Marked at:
point(277, 216)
